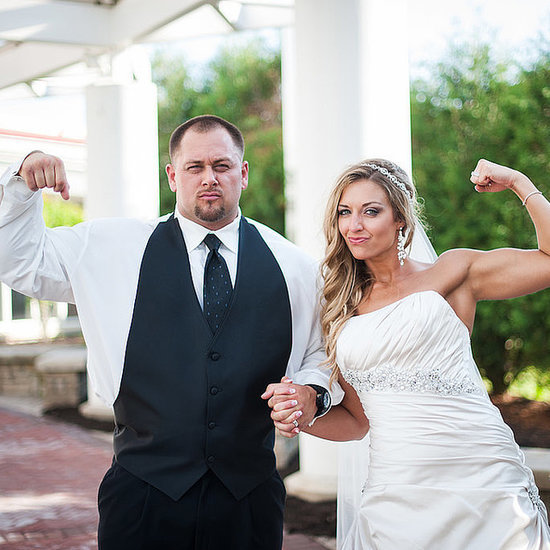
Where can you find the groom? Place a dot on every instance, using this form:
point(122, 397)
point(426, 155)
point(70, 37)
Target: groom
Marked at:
point(187, 320)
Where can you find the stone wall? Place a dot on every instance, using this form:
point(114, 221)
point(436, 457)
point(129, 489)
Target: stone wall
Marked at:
point(52, 372)
point(18, 377)
point(63, 376)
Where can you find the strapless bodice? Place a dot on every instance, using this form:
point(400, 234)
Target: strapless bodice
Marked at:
point(414, 344)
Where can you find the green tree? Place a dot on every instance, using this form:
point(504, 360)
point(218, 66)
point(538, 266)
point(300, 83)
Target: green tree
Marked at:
point(476, 108)
point(58, 212)
point(241, 85)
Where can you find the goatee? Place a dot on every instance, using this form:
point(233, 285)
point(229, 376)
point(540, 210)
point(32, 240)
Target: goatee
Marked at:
point(211, 214)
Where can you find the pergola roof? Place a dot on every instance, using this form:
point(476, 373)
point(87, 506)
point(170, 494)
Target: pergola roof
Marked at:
point(39, 37)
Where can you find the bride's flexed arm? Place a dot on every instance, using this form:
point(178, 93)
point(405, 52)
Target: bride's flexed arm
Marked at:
point(507, 273)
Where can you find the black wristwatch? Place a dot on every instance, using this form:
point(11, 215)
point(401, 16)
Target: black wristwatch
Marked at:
point(323, 399)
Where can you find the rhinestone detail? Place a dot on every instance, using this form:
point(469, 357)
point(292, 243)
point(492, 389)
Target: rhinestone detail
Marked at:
point(392, 379)
point(534, 496)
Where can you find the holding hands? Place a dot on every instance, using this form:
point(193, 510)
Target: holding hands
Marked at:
point(292, 406)
point(40, 170)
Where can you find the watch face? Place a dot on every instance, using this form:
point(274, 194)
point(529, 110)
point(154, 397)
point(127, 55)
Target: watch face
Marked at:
point(323, 402)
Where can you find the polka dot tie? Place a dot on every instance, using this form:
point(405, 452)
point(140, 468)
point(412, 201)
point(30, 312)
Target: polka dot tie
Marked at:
point(217, 284)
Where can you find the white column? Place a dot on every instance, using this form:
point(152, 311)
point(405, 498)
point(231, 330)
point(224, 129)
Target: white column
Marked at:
point(122, 150)
point(326, 126)
point(384, 72)
point(5, 310)
point(122, 156)
point(6, 302)
point(350, 84)
point(290, 145)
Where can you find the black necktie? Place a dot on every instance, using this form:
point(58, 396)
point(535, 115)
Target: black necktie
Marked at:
point(217, 284)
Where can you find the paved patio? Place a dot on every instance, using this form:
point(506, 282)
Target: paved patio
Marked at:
point(49, 475)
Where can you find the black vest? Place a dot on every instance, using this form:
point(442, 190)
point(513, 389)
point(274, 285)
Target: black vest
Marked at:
point(190, 400)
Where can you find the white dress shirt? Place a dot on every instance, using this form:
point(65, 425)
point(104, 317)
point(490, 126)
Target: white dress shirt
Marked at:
point(194, 234)
point(96, 265)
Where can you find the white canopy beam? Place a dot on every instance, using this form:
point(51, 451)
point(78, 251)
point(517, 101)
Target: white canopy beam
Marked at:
point(133, 20)
point(58, 22)
point(260, 16)
point(39, 37)
point(88, 24)
point(27, 61)
point(129, 21)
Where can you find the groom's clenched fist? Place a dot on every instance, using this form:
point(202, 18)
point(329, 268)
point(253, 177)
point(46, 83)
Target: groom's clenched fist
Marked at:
point(40, 170)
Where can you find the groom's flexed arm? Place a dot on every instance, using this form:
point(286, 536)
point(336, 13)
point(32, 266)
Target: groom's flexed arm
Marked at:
point(35, 260)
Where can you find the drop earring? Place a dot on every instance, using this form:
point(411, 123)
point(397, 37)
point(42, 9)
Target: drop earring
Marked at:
point(401, 254)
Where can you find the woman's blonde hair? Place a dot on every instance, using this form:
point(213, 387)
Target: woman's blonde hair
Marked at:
point(347, 280)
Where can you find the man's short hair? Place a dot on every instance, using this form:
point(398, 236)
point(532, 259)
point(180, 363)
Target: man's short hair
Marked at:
point(203, 124)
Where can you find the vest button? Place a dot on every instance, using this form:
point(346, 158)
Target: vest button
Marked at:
point(211, 425)
point(210, 459)
point(215, 356)
point(214, 390)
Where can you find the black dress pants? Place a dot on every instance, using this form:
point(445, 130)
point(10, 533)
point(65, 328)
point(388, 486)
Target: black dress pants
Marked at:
point(134, 515)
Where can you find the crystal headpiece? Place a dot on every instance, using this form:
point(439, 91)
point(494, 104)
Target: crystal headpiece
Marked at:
point(392, 178)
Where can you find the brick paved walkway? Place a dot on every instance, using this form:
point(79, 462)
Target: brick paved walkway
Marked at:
point(49, 474)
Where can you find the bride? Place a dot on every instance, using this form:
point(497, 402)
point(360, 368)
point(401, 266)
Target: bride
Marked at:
point(444, 470)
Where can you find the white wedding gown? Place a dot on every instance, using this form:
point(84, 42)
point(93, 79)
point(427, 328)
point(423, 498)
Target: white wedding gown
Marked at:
point(445, 472)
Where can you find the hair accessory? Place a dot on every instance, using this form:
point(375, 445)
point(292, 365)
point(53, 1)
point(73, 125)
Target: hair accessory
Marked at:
point(392, 178)
point(530, 195)
point(401, 254)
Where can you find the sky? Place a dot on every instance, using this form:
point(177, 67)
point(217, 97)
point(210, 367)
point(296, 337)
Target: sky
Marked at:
point(511, 26)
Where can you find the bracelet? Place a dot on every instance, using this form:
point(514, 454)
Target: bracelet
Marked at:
point(530, 195)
